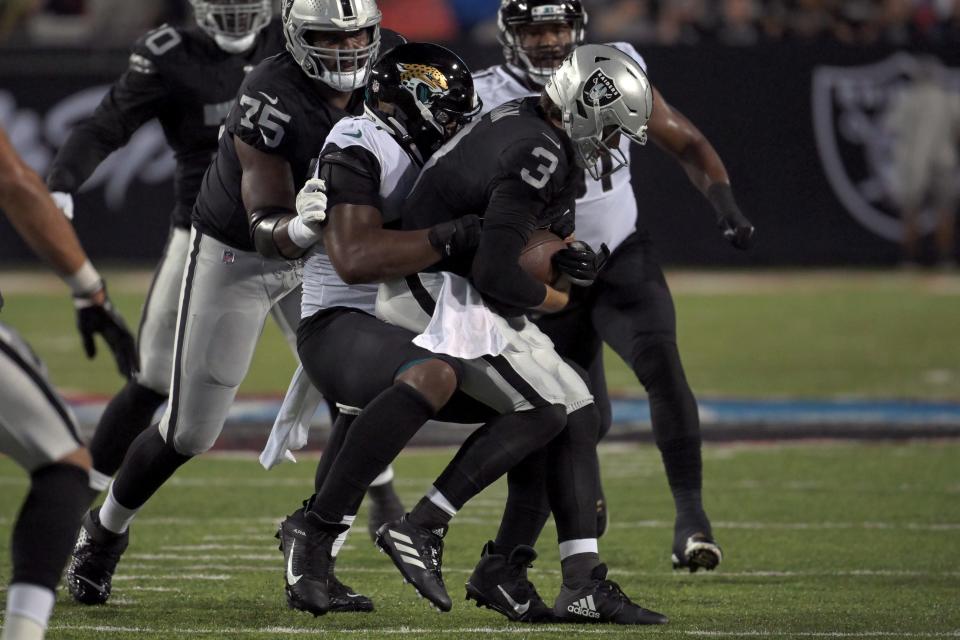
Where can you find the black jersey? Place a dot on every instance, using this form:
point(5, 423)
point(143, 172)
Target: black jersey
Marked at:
point(516, 171)
point(181, 77)
point(279, 110)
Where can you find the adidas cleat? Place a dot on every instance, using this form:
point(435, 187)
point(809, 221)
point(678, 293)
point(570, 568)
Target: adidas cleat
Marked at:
point(418, 554)
point(500, 583)
point(306, 541)
point(699, 552)
point(602, 601)
point(95, 558)
point(383, 509)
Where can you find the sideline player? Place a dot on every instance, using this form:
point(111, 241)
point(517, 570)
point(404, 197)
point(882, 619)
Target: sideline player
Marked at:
point(36, 428)
point(188, 79)
point(243, 257)
point(520, 160)
point(629, 306)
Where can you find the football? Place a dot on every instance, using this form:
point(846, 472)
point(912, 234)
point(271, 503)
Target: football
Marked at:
point(536, 257)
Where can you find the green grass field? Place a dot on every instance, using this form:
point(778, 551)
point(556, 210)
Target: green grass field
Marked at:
point(804, 334)
point(821, 540)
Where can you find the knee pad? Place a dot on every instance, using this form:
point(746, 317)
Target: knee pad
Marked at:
point(583, 426)
point(658, 366)
point(673, 406)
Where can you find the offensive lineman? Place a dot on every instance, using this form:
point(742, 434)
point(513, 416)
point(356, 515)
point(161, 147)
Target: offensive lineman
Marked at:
point(519, 160)
point(36, 428)
point(629, 306)
point(244, 248)
point(188, 79)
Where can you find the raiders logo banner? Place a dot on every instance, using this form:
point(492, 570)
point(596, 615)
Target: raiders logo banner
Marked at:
point(600, 90)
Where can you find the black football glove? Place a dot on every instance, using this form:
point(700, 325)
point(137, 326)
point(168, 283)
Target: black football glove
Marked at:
point(564, 226)
point(736, 229)
point(580, 263)
point(93, 318)
point(457, 236)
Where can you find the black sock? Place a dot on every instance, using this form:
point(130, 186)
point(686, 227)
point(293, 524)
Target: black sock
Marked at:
point(383, 493)
point(577, 569)
point(375, 438)
point(149, 463)
point(527, 508)
point(684, 466)
point(338, 433)
point(495, 448)
point(572, 475)
point(428, 515)
point(125, 417)
point(46, 528)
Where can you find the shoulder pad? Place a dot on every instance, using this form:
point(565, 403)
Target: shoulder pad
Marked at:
point(631, 51)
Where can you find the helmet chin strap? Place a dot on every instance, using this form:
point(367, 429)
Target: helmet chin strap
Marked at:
point(235, 45)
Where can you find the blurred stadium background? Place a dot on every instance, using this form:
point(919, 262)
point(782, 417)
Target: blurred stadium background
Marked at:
point(819, 332)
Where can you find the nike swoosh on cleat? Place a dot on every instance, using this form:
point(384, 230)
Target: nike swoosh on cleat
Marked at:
point(91, 583)
point(270, 99)
point(292, 579)
point(519, 608)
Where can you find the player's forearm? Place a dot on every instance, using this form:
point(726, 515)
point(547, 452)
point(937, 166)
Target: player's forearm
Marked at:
point(555, 300)
point(79, 157)
point(383, 254)
point(702, 164)
point(497, 273)
point(37, 219)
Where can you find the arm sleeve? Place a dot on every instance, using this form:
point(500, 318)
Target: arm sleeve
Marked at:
point(133, 99)
point(352, 175)
point(507, 225)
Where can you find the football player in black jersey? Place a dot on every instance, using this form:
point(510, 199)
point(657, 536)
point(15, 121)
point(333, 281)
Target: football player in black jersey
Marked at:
point(630, 306)
point(37, 430)
point(517, 168)
point(188, 79)
point(242, 256)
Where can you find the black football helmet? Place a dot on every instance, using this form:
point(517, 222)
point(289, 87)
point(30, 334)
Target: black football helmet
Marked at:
point(422, 94)
point(538, 62)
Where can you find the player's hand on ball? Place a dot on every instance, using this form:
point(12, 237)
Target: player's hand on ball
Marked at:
point(457, 236)
point(64, 202)
point(579, 263)
point(737, 230)
point(97, 315)
point(312, 203)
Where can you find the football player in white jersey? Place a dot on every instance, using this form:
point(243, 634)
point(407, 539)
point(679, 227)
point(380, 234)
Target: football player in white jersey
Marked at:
point(629, 305)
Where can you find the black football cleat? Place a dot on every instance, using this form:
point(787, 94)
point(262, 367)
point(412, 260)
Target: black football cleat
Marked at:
point(500, 583)
point(698, 551)
point(602, 601)
point(418, 554)
point(385, 507)
point(343, 599)
point(306, 542)
point(95, 558)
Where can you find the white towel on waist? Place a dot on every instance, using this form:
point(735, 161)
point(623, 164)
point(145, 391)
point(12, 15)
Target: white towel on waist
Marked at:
point(462, 325)
point(290, 429)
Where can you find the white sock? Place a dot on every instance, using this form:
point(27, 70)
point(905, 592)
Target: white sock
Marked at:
point(581, 545)
point(99, 481)
point(440, 500)
point(16, 627)
point(28, 610)
point(383, 478)
point(114, 516)
point(347, 520)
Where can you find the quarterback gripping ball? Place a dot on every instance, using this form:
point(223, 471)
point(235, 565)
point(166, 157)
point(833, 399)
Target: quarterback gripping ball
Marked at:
point(536, 257)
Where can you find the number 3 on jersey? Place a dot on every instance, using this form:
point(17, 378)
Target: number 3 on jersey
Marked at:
point(541, 175)
point(270, 121)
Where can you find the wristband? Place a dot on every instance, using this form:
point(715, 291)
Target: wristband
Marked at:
point(301, 234)
point(84, 281)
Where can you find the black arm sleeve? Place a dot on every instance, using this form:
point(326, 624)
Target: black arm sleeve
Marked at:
point(352, 175)
point(131, 101)
point(507, 225)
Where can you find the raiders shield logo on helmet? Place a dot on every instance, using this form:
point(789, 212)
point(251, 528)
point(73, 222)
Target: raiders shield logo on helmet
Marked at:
point(599, 90)
point(850, 106)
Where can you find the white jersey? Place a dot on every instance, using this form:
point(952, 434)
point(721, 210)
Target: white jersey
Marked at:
point(607, 213)
point(322, 287)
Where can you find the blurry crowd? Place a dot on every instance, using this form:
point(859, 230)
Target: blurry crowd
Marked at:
point(667, 22)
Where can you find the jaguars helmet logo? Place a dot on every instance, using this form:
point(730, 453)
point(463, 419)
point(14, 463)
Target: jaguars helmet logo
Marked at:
point(599, 90)
point(422, 80)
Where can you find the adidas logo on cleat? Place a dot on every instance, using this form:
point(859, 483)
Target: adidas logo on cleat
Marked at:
point(584, 607)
